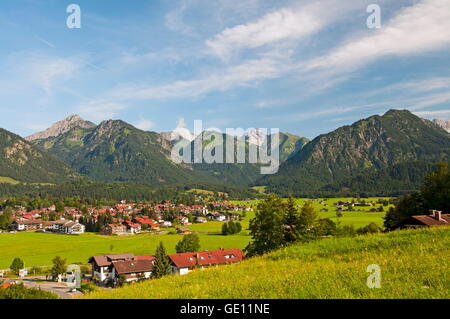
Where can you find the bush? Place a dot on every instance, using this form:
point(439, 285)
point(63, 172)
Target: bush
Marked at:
point(21, 292)
point(87, 287)
point(231, 228)
point(346, 231)
point(372, 228)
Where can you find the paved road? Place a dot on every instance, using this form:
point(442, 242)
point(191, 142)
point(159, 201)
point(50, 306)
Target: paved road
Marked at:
point(60, 289)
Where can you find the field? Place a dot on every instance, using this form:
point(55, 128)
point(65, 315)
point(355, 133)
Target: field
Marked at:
point(38, 249)
point(413, 265)
point(359, 218)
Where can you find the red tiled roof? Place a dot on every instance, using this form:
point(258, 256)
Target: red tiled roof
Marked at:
point(206, 258)
point(151, 258)
point(431, 221)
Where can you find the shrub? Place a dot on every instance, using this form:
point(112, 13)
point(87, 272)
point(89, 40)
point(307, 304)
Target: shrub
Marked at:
point(231, 228)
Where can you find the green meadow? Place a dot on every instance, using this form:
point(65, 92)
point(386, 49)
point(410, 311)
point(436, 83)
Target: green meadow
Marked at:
point(38, 249)
point(413, 264)
point(358, 218)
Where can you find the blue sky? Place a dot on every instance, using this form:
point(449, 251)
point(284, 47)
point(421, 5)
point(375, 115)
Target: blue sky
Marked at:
point(305, 67)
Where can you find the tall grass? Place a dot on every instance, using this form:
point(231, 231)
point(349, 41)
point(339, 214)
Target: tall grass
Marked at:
point(414, 264)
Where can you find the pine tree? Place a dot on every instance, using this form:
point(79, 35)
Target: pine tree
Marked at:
point(161, 266)
point(292, 221)
point(308, 222)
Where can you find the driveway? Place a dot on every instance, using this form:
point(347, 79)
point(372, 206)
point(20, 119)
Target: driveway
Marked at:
point(60, 289)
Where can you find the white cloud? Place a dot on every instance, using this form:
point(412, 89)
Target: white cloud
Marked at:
point(430, 100)
point(144, 125)
point(279, 26)
point(100, 110)
point(174, 20)
point(245, 74)
point(47, 72)
point(416, 29)
point(270, 103)
point(432, 113)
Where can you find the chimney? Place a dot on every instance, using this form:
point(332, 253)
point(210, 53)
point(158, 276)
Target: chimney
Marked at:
point(436, 214)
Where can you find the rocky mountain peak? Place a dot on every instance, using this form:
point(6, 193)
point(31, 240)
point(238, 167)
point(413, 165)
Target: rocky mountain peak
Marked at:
point(61, 127)
point(256, 137)
point(444, 124)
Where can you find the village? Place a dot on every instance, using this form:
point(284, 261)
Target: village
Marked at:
point(123, 218)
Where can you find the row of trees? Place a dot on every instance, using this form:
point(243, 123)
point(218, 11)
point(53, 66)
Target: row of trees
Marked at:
point(278, 223)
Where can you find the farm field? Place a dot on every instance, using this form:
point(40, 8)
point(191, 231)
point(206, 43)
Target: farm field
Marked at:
point(359, 218)
point(38, 249)
point(411, 264)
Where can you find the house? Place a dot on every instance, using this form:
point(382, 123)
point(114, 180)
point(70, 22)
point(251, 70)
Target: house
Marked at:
point(27, 224)
point(109, 268)
point(114, 229)
point(131, 227)
point(166, 223)
point(131, 270)
point(200, 220)
point(436, 218)
point(183, 230)
point(183, 220)
point(102, 270)
point(217, 217)
point(68, 227)
point(144, 221)
point(184, 263)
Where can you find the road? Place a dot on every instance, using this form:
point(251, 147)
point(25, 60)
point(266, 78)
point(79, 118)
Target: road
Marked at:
point(60, 289)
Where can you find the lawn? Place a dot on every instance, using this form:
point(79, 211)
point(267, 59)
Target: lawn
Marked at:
point(413, 265)
point(38, 249)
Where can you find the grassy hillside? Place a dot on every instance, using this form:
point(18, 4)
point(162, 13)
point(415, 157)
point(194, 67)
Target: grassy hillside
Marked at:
point(414, 264)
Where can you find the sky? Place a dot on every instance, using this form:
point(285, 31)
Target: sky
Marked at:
point(304, 67)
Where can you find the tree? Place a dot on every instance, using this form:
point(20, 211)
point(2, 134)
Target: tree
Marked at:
point(16, 265)
point(292, 221)
point(267, 229)
point(225, 229)
point(189, 244)
point(231, 228)
point(307, 222)
point(434, 194)
point(326, 227)
point(59, 267)
point(161, 264)
point(59, 207)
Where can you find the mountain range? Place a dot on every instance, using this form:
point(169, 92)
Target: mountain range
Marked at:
point(365, 147)
point(397, 149)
